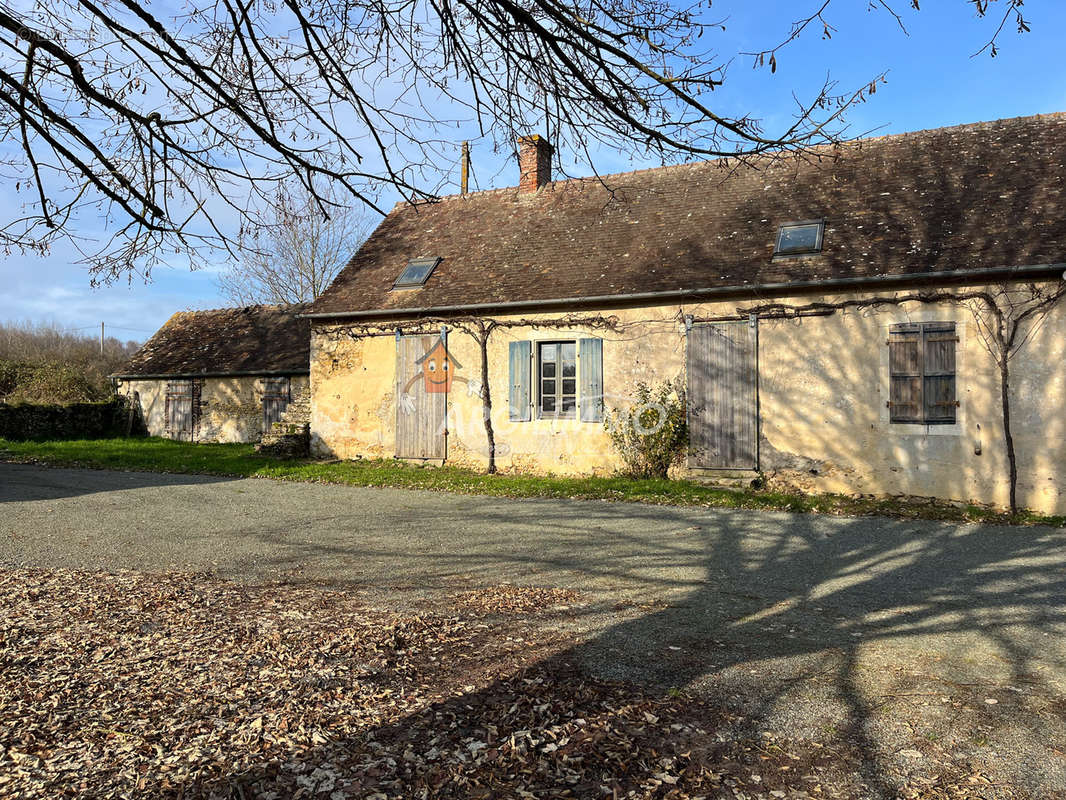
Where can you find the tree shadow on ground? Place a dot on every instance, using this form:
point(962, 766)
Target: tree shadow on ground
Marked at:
point(804, 624)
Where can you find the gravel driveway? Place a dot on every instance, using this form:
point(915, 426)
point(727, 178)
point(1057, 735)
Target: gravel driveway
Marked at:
point(885, 630)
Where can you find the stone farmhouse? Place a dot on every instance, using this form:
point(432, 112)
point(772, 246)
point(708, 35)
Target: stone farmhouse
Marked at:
point(219, 376)
point(837, 319)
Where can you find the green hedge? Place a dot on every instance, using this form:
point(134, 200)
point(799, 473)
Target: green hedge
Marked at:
point(73, 421)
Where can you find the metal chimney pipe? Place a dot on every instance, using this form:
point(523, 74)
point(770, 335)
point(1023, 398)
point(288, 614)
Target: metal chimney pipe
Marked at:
point(464, 172)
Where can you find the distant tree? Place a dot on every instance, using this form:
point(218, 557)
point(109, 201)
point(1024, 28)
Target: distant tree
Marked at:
point(174, 125)
point(41, 363)
point(295, 256)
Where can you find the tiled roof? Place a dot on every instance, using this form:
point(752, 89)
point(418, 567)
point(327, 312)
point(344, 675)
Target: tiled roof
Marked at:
point(252, 340)
point(982, 196)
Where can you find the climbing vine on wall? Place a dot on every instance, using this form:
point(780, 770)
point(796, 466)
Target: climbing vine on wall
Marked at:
point(480, 329)
point(1006, 317)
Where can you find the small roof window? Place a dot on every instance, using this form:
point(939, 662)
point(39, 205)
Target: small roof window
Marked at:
point(800, 238)
point(416, 273)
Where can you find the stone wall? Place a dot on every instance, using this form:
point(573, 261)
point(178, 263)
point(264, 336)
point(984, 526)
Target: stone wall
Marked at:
point(823, 386)
point(231, 408)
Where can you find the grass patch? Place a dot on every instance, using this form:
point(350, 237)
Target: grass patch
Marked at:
point(241, 460)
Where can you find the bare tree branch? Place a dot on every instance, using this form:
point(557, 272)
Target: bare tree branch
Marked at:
point(139, 137)
point(294, 257)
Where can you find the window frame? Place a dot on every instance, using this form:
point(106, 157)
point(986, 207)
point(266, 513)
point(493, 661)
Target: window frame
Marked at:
point(559, 394)
point(820, 226)
point(432, 263)
point(926, 331)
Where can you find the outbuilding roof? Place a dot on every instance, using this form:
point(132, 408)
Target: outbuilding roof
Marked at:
point(255, 340)
point(934, 204)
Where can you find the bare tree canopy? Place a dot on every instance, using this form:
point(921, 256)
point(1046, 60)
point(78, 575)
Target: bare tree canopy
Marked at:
point(171, 132)
point(295, 256)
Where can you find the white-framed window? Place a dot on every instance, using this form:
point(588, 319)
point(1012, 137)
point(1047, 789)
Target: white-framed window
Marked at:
point(557, 379)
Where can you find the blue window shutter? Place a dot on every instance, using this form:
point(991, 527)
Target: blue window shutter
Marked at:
point(519, 383)
point(591, 367)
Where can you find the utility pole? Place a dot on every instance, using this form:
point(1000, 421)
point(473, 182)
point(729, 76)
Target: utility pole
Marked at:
point(101, 338)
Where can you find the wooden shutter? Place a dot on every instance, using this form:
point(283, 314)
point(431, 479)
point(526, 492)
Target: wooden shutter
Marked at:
point(921, 360)
point(590, 365)
point(939, 372)
point(519, 383)
point(905, 371)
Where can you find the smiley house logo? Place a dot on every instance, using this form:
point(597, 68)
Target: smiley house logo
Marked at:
point(436, 372)
point(437, 369)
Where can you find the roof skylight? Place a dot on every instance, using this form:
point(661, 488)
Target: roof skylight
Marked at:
point(799, 238)
point(416, 273)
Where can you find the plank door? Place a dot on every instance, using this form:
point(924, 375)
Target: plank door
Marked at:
point(180, 423)
point(722, 396)
point(421, 415)
point(276, 397)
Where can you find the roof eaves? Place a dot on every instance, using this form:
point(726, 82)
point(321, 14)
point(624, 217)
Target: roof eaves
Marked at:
point(183, 375)
point(950, 276)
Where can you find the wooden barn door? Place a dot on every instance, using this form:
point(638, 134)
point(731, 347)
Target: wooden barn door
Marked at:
point(722, 396)
point(181, 400)
point(420, 414)
point(276, 397)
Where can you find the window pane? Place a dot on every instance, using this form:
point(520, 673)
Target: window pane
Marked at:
point(568, 357)
point(558, 360)
point(799, 238)
point(416, 272)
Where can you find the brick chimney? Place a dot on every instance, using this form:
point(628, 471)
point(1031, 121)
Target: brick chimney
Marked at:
point(534, 163)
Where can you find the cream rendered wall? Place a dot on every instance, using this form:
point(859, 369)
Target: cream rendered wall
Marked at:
point(823, 387)
point(152, 398)
point(231, 408)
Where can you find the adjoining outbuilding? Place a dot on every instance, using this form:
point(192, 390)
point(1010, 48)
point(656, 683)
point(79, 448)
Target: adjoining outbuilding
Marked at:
point(831, 315)
point(224, 375)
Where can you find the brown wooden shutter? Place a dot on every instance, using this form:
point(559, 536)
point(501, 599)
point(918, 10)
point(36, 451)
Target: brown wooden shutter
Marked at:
point(921, 358)
point(939, 372)
point(905, 370)
point(276, 397)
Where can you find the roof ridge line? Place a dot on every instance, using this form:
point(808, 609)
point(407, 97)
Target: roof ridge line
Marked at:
point(817, 151)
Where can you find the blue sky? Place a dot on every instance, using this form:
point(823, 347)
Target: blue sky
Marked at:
point(932, 81)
